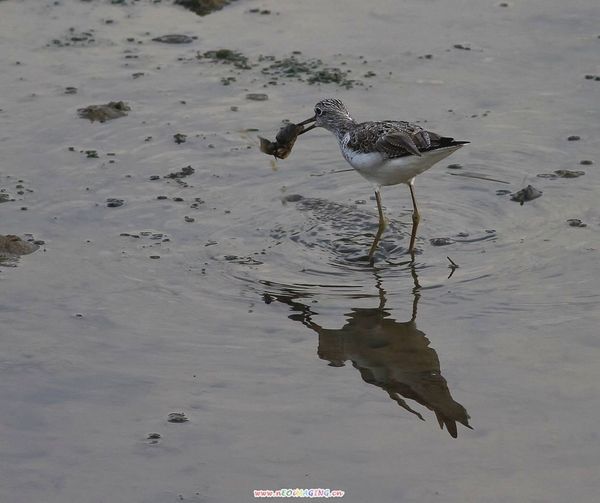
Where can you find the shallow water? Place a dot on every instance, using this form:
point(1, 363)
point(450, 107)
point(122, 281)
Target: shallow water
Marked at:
point(297, 363)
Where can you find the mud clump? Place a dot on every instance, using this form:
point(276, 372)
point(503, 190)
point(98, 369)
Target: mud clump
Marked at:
point(182, 173)
point(235, 58)
point(15, 246)
point(562, 173)
point(177, 417)
point(12, 247)
point(103, 113)
point(529, 193)
point(203, 7)
point(179, 138)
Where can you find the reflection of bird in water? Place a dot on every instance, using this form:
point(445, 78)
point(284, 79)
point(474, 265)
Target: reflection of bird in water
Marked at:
point(392, 355)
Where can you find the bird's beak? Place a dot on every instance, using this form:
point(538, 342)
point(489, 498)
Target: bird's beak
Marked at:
point(307, 121)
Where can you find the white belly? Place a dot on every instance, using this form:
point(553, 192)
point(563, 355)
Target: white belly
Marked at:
point(381, 171)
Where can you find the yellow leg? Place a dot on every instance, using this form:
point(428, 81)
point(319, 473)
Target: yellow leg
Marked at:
point(381, 227)
point(415, 218)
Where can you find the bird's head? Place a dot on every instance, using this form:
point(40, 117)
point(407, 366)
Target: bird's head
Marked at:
point(330, 114)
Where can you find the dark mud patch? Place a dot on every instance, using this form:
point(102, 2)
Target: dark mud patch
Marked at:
point(179, 175)
point(226, 56)
point(75, 38)
point(103, 113)
point(277, 70)
point(562, 173)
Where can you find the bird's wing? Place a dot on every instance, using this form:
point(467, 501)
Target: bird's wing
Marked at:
point(398, 143)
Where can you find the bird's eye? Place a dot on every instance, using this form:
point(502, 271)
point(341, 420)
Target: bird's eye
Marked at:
point(318, 111)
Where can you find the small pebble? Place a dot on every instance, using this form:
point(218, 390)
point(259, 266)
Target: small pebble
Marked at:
point(174, 39)
point(189, 219)
point(257, 96)
point(574, 138)
point(292, 198)
point(112, 202)
point(441, 241)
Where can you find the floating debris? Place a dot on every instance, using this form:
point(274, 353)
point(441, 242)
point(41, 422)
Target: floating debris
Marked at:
point(102, 113)
point(529, 193)
point(174, 38)
point(284, 141)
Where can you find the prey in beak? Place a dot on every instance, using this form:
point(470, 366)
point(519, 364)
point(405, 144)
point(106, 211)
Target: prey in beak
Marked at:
point(285, 139)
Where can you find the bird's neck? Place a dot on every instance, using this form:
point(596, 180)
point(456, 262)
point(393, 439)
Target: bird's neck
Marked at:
point(342, 126)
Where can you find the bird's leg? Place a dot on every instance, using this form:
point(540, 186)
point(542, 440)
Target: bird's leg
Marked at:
point(415, 218)
point(381, 227)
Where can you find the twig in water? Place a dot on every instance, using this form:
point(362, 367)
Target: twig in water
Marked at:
point(453, 265)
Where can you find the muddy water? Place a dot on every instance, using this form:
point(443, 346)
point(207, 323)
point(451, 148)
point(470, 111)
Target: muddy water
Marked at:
point(237, 295)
